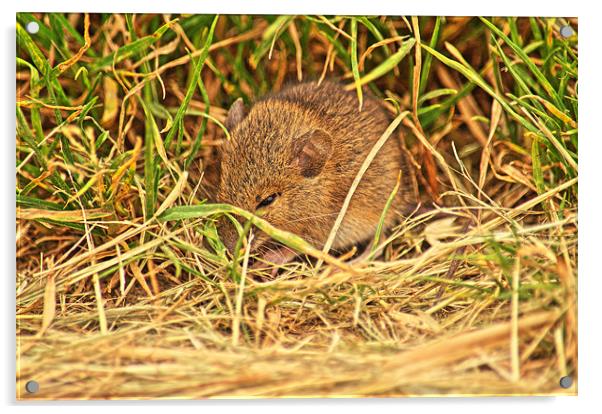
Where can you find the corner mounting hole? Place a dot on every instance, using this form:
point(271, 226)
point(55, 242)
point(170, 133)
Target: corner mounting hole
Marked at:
point(566, 31)
point(32, 387)
point(32, 27)
point(566, 382)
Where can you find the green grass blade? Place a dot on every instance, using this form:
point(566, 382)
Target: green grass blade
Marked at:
point(131, 49)
point(270, 35)
point(391, 62)
point(527, 61)
point(473, 76)
point(428, 59)
point(354, 62)
point(177, 122)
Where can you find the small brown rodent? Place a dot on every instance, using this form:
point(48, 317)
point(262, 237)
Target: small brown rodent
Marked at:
point(293, 157)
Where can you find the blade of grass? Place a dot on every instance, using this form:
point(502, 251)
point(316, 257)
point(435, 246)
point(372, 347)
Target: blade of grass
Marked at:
point(381, 222)
point(387, 65)
point(426, 66)
point(177, 121)
point(131, 49)
point(473, 76)
point(356, 181)
point(288, 239)
point(270, 35)
point(527, 61)
point(354, 63)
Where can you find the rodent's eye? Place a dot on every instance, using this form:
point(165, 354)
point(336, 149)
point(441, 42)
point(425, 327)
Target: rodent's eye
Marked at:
point(267, 201)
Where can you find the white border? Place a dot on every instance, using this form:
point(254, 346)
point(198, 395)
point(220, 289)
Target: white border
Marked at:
point(590, 167)
point(370, 7)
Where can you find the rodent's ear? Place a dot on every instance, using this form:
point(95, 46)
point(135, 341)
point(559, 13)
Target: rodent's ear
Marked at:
point(236, 113)
point(313, 149)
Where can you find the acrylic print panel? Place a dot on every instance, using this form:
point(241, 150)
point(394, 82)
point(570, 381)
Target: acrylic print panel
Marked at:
point(282, 206)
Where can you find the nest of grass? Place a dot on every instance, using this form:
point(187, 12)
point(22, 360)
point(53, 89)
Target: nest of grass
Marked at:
point(124, 289)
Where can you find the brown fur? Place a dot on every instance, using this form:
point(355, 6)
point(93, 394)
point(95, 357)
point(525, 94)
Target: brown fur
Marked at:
point(306, 144)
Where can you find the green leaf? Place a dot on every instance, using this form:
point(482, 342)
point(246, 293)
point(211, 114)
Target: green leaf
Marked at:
point(177, 122)
point(436, 93)
point(426, 65)
point(536, 161)
point(270, 35)
point(354, 62)
point(137, 46)
point(527, 61)
point(473, 76)
point(388, 65)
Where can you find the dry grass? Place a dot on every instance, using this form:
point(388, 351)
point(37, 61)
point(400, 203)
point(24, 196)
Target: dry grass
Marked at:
point(122, 293)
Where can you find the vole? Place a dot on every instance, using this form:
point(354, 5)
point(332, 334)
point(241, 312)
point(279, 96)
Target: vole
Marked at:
point(292, 158)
